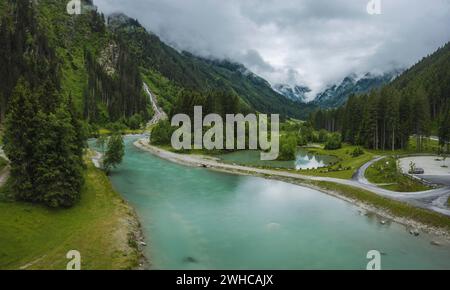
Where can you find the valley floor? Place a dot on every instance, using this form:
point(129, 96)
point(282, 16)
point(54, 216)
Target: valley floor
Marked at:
point(102, 227)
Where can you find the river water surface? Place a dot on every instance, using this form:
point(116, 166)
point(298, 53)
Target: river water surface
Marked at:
point(194, 218)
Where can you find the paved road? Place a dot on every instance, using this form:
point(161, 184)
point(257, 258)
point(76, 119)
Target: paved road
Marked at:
point(159, 112)
point(437, 179)
point(431, 199)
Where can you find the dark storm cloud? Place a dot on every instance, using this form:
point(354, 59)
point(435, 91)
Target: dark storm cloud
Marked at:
point(312, 42)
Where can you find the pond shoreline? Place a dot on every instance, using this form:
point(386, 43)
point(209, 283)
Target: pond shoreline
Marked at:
point(304, 160)
point(200, 161)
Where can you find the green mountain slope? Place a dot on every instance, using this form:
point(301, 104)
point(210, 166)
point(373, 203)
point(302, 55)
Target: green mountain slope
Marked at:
point(432, 74)
point(91, 64)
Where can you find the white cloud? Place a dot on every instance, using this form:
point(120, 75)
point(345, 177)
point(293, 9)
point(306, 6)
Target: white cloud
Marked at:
point(311, 42)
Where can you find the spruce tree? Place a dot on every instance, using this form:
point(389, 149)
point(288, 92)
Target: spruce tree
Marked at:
point(59, 171)
point(22, 123)
point(444, 130)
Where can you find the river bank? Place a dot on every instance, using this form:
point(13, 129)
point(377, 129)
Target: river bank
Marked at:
point(414, 219)
point(136, 238)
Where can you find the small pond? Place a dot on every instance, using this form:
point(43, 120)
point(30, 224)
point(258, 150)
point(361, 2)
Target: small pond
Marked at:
point(304, 160)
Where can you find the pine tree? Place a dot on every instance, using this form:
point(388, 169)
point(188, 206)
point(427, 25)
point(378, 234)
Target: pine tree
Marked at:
point(392, 119)
point(59, 171)
point(421, 116)
point(22, 123)
point(405, 117)
point(44, 149)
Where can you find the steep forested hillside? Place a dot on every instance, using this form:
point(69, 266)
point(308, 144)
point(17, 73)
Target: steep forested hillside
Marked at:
point(432, 74)
point(417, 102)
point(97, 68)
point(43, 137)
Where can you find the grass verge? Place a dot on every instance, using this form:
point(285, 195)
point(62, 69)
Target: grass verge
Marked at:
point(102, 227)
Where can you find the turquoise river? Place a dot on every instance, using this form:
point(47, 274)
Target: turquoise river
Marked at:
point(194, 218)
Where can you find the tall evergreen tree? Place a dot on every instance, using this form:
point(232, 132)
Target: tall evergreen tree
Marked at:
point(59, 170)
point(44, 149)
point(21, 126)
point(421, 116)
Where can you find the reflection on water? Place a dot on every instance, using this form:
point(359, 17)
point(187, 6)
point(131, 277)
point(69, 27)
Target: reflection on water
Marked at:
point(304, 160)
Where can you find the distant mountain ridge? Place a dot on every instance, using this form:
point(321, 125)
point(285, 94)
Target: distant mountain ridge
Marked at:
point(337, 95)
point(294, 93)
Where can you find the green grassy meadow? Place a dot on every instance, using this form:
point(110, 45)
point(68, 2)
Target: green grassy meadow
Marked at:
point(101, 227)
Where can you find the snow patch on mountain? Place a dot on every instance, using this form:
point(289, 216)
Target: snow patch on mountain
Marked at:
point(294, 93)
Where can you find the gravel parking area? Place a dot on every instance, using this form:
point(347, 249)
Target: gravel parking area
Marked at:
point(434, 172)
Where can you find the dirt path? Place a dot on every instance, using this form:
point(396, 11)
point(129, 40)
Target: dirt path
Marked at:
point(97, 159)
point(4, 173)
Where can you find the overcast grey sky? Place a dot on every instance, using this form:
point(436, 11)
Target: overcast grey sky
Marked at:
point(309, 42)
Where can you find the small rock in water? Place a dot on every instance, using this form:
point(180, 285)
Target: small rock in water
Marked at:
point(190, 260)
point(144, 244)
point(434, 243)
point(383, 222)
point(414, 232)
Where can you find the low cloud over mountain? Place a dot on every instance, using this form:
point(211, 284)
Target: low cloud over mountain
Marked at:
point(312, 43)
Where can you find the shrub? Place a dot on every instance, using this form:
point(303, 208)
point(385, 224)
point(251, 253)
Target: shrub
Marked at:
point(357, 152)
point(288, 148)
point(135, 122)
point(162, 133)
point(323, 136)
point(334, 142)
